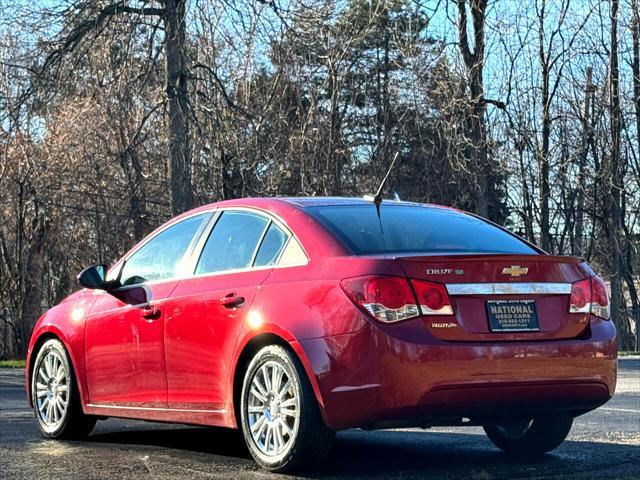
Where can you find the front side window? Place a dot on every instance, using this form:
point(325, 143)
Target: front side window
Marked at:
point(232, 242)
point(160, 258)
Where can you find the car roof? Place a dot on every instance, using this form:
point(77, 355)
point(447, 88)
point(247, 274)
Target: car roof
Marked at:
point(329, 201)
point(304, 202)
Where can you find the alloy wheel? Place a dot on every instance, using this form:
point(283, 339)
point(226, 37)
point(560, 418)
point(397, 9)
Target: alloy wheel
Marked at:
point(51, 390)
point(273, 409)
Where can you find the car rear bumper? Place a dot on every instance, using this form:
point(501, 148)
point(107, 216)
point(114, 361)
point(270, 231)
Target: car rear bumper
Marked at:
point(373, 379)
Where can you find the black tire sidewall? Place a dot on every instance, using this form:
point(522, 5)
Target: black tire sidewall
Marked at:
point(546, 433)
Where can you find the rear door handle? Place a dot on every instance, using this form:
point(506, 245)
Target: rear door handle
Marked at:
point(232, 301)
point(151, 313)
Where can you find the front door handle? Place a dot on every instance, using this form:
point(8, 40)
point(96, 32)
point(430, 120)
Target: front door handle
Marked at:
point(151, 313)
point(232, 301)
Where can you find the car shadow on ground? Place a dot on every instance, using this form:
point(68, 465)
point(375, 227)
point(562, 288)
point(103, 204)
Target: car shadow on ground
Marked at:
point(215, 441)
point(406, 454)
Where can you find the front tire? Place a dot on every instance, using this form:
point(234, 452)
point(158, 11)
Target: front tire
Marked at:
point(531, 438)
point(55, 396)
point(281, 421)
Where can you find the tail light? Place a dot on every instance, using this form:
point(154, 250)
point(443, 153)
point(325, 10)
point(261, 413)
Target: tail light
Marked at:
point(391, 299)
point(433, 298)
point(590, 296)
point(599, 298)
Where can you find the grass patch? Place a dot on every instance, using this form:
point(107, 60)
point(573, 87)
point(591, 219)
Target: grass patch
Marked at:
point(12, 363)
point(627, 354)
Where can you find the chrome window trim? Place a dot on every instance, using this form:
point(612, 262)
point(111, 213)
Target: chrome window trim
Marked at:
point(538, 288)
point(192, 255)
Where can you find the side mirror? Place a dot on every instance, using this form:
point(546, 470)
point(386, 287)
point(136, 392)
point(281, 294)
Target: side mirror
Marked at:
point(93, 277)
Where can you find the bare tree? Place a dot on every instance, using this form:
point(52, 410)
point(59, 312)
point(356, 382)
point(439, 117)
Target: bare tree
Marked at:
point(473, 57)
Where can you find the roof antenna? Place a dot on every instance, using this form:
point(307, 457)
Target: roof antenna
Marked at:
point(377, 198)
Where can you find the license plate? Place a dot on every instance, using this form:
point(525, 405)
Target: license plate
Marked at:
point(512, 316)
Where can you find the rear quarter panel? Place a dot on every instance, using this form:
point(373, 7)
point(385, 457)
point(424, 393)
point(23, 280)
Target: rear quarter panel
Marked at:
point(309, 302)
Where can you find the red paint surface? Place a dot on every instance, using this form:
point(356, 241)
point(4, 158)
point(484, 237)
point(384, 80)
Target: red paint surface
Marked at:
point(181, 366)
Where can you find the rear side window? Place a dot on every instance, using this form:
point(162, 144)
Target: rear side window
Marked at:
point(415, 229)
point(272, 244)
point(232, 242)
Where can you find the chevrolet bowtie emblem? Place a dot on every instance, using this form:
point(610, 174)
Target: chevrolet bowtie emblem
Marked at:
point(515, 270)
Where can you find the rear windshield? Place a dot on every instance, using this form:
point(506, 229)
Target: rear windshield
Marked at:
point(405, 228)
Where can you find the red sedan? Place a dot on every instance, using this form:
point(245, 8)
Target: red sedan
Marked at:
point(293, 318)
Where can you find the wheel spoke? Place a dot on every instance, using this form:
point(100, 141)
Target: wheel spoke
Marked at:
point(265, 376)
point(267, 441)
point(285, 388)
point(262, 429)
point(278, 436)
point(56, 410)
point(289, 412)
point(41, 390)
point(261, 388)
point(49, 365)
point(49, 414)
point(47, 368)
point(258, 424)
point(276, 378)
point(285, 427)
point(256, 409)
point(258, 395)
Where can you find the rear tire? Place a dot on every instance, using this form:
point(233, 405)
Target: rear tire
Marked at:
point(531, 438)
point(55, 396)
point(281, 420)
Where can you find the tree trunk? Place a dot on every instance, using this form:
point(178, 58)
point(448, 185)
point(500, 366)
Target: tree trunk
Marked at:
point(614, 183)
point(635, 67)
point(543, 154)
point(474, 62)
point(177, 94)
point(137, 196)
point(584, 150)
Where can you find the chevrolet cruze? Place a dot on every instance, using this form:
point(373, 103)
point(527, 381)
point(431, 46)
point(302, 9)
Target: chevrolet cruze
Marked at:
point(293, 318)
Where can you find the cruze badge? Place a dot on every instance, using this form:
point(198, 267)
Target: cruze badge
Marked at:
point(515, 270)
point(445, 271)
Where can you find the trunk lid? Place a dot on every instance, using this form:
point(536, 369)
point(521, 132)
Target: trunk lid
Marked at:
point(503, 297)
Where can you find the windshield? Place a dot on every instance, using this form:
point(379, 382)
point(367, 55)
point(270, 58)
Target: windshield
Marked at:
point(412, 228)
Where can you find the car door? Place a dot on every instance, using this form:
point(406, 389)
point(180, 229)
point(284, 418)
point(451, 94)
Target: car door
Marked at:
point(206, 313)
point(124, 336)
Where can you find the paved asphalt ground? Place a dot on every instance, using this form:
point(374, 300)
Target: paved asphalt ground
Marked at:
point(604, 444)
